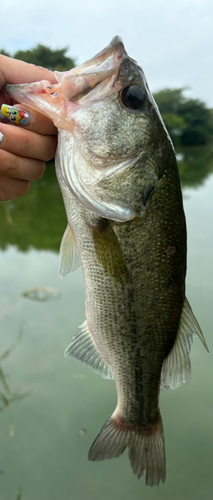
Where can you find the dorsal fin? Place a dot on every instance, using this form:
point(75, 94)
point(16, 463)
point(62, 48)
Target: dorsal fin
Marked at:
point(176, 368)
point(69, 256)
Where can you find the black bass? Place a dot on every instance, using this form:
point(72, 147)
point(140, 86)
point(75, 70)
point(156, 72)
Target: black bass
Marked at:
point(119, 178)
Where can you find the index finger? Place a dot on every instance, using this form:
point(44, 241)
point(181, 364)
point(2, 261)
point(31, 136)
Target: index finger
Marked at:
point(16, 71)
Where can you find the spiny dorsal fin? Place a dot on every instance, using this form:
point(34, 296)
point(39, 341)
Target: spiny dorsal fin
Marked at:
point(176, 368)
point(69, 256)
point(83, 348)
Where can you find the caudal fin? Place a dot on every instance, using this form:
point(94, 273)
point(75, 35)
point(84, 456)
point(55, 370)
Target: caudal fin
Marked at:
point(146, 448)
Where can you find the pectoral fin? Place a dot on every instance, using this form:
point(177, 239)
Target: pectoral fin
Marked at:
point(176, 368)
point(108, 251)
point(69, 256)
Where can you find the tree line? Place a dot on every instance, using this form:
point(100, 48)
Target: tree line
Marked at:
point(41, 55)
point(188, 121)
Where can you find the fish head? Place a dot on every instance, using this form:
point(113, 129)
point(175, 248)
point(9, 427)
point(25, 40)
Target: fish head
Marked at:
point(115, 161)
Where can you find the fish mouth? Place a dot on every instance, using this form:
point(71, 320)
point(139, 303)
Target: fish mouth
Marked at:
point(51, 100)
point(81, 80)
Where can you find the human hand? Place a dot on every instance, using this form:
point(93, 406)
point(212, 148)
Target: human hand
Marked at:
point(23, 148)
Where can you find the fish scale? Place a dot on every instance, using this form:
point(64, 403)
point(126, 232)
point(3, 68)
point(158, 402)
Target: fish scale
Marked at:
point(117, 171)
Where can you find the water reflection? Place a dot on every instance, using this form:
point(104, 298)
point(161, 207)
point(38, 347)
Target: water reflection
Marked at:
point(38, 219)
point(19, 495)
point(7, 396)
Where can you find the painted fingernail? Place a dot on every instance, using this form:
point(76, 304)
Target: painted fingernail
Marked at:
point(14, 115)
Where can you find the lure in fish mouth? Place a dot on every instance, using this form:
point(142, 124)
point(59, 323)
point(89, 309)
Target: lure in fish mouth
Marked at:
point(120, 183)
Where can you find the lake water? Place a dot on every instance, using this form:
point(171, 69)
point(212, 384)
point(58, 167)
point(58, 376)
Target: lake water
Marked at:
point(52, 407)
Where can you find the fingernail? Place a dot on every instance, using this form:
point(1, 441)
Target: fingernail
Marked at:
point(1, 137)
point(14, 115)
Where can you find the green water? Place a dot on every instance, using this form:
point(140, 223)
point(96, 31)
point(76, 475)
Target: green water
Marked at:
point(63, 404)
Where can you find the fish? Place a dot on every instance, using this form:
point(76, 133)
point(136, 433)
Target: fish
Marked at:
point(118, 174)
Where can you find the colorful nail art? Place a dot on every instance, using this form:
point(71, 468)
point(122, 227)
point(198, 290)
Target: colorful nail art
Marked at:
point(14, 115)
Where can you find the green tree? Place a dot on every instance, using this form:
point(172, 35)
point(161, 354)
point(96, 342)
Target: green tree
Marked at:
point(4, 52)
point(198, 120)
point(169, 100)
point(188, 121)
point(195, 164)
point(175, 125)
point(41, 55)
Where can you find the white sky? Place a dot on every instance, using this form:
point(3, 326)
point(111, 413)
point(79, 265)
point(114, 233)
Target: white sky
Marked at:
point(171, 39)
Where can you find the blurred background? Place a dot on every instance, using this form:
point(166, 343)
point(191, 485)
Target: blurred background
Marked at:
point(52, 408)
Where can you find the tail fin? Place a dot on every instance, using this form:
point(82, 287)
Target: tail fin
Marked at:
point(146, 448)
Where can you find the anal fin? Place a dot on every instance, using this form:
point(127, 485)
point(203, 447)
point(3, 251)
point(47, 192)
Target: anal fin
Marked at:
point(84, 349)
point(176, 368)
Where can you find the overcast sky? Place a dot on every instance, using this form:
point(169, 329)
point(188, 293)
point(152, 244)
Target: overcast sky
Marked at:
point(171, 39)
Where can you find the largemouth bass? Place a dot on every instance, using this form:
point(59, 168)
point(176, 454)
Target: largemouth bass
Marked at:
point(119, 179)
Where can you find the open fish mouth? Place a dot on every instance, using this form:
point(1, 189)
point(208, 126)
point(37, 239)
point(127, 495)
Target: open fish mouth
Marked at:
point(71, 86)
point(84, 78)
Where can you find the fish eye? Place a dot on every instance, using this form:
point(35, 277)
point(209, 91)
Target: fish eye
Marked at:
point(133, 97)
